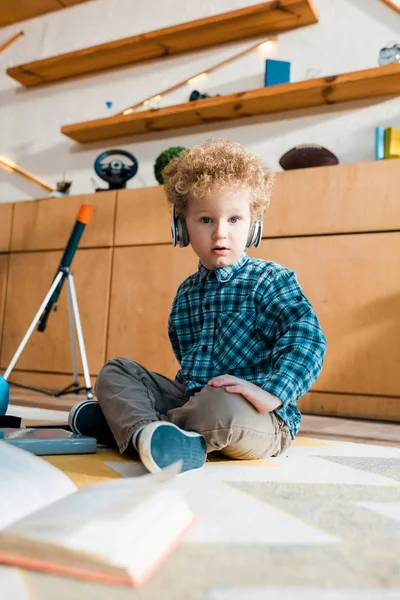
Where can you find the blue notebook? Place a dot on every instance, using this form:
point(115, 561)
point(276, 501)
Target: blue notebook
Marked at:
point(48, 441)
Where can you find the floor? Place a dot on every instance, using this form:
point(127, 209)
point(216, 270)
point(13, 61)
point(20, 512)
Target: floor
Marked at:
point(356, 430)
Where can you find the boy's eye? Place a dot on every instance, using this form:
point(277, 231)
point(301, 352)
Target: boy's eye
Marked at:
point(205, 219)
point(234, 219)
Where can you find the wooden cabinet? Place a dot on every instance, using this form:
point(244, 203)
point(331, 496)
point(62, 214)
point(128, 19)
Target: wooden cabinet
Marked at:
point(353, 282)
point(145, 279)
point(47, 224)
point(337, 227)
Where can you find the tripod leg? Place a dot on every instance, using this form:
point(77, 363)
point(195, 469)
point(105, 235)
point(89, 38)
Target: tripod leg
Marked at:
point(32, 326)
point(72, 337)
point(79, 333)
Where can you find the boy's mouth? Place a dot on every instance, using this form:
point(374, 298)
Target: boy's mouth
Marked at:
point(220, 250)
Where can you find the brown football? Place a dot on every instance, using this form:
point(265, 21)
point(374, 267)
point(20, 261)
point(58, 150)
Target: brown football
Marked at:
point(307, 155)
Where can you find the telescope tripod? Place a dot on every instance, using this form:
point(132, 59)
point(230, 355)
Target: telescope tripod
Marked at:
point(63, 274)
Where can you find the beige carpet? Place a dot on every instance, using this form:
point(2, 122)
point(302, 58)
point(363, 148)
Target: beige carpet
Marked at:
point(322, 521)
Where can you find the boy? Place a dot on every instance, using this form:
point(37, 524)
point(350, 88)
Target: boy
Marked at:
point(246, 338)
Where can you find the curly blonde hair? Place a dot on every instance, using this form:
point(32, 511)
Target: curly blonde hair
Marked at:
point(215, 165)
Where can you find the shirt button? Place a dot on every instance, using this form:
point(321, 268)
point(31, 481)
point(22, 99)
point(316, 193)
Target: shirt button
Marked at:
point(207, 306)
point(204, 348)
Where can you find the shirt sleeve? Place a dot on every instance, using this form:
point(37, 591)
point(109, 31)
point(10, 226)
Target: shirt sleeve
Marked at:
point(287, 320)
point(172, 333)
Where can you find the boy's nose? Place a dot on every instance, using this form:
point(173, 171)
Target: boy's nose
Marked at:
point(219, 232)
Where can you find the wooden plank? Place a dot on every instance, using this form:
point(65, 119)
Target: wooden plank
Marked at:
point(360, 430)
point(144, 283)
point(30, 276)
point(19, 10)
point(3, 288)
point(47, 224)
point(355, 406)
point(6, 219)
point(369, 83)
point(353, 282)
point(143, 217)
point(252, 21)
point(324, 200)
point(45, 381)
point(337, 199)
point(68, 3)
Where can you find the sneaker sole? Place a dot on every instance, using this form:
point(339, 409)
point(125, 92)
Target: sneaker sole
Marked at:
point(162, 444)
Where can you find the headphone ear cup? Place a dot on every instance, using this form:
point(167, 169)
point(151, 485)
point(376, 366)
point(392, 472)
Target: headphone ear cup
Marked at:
point(179, 230)
point(174, 232)
point(258, 234)
point(255, 234)
point(250, 237)
point(183, 234)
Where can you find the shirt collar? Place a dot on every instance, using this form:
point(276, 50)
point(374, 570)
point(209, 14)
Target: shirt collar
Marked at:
point(224, 273)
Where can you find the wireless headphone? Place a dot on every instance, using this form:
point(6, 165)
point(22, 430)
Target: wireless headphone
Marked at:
point(180, 233)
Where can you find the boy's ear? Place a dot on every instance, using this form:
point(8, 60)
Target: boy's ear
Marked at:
point(179, 230)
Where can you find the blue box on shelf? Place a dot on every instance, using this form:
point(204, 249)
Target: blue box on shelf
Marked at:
point(276, 71)
point(379, 143)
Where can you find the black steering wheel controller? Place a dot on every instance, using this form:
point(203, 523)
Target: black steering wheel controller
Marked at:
point(115, 171)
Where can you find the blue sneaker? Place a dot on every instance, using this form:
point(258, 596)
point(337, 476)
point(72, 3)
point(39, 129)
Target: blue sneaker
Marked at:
point(87, 418)
point(161, 444)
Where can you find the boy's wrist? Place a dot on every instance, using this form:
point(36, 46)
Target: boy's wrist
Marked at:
point(267, 402)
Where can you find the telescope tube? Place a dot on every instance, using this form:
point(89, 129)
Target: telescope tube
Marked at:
point(82, 219)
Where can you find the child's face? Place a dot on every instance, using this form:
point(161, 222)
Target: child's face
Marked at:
point(218, 226)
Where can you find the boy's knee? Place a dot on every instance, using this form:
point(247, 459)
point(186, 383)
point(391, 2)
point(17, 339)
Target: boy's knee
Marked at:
point(231, 424)
point(110, 375)
point(223, 410)
point(108, 370)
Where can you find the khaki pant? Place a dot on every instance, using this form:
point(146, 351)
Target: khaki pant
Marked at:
point(130, 396)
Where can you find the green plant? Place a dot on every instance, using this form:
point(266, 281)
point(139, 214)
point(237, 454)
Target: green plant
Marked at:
point(163, 159)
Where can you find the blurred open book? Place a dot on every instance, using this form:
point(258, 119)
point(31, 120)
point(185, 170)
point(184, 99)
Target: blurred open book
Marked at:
point(116, 532)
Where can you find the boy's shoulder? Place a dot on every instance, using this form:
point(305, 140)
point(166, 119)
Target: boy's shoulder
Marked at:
point(266, 269)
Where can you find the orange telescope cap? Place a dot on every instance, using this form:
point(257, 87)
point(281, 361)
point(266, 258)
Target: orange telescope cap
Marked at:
point(84, 214)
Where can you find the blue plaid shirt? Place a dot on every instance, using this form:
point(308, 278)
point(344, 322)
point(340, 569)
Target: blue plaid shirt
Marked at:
point(252, 320)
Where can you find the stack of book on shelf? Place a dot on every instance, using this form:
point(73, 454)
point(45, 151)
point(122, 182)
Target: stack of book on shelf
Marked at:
point(114, 532)
point(387, 143)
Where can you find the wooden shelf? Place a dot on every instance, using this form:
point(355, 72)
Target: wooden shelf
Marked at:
point(253, 21)
point(379, 81)
point(19, 10)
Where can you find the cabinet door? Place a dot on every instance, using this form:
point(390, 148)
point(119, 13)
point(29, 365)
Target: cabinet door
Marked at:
point(3, 287)
point(6, 214)
point(30, 277)
point(47, 224)
point(144, 283)
point(143, 217)
point(336, 199)
point(353, 282)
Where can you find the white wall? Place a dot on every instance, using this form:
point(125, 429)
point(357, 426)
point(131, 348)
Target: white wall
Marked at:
point(348, 37)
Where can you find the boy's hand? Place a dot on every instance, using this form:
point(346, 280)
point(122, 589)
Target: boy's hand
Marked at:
point(262, 400)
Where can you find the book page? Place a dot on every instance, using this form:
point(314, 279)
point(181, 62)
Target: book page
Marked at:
point(28, 483)
point(89, 518)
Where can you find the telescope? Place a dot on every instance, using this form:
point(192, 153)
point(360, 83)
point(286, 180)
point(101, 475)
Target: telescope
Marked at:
point(49, 304)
